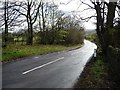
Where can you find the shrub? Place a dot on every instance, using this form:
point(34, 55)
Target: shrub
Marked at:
point(74, 37)
point(114, 60)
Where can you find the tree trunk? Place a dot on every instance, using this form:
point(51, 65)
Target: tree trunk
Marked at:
point(6, 23)
point(99, 30)
point(30, 27)
point(43, 25)
point(111, 14)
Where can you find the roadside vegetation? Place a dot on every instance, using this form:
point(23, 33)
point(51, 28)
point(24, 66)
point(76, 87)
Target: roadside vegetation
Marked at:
point(108, 31)
point(37, 27)
point(99, 73)
point(95, 75)
point(13, 52)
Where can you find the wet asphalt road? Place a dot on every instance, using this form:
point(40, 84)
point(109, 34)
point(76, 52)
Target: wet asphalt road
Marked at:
point(54, 70)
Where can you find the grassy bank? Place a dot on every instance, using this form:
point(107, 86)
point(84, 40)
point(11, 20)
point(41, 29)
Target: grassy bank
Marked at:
point(17, 51)
point(96, 73)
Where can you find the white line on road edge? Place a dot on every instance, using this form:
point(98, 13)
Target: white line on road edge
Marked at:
point(42, 66)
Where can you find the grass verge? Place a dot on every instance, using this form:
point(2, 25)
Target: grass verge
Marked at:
point(12, 52)
point(95, 75)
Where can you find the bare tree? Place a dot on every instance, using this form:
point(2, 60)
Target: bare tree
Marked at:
point(29, 9)
point(105, 16)
point(8, 18)
point(48, 17)
point(6, 21)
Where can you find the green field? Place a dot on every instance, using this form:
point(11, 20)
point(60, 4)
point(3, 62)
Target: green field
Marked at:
point(13, 52)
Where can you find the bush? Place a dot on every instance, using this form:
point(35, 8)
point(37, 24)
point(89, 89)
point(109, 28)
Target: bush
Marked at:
point(114, 60)
point(74, 37)
point(61, 37)
point(64, 37)
point(114, 37)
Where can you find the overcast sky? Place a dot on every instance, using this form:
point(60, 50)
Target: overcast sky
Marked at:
point(75, 5)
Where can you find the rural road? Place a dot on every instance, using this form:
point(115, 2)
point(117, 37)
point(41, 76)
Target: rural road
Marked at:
point(54, 70)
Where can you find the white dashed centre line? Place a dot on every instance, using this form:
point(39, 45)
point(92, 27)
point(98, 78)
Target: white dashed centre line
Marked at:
point(75, 53)
point(42, 66)
point(36, 57)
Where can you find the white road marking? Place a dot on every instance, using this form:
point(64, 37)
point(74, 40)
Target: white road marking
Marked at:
point(36, 57)
point(75, 53)
point(83, 51)
point(42, 65)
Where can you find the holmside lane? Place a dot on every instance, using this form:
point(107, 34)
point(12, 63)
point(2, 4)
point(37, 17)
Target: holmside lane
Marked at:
point(54, 70)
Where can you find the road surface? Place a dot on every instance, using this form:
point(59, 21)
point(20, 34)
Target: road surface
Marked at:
point(54, 70)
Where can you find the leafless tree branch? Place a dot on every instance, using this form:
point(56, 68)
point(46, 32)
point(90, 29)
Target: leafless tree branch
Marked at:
point(87, 4)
